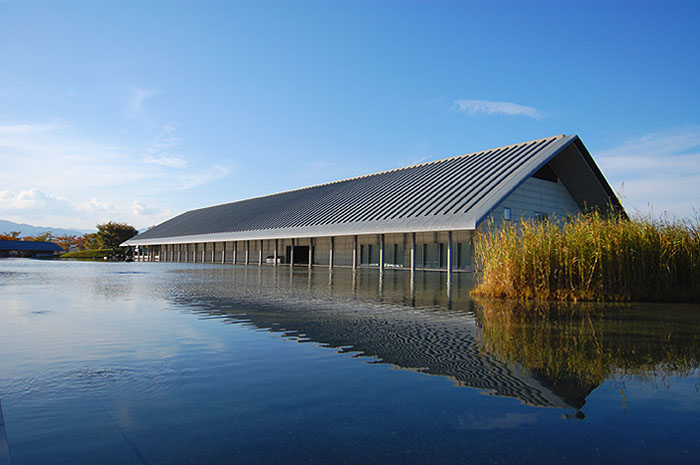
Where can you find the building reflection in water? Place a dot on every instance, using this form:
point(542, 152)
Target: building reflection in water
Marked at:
point(545, 355)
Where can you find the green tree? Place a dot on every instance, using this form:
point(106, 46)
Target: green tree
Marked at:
point(88, 242)
point(110, 235)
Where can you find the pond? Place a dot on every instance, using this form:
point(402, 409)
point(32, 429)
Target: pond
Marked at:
point(150, 363)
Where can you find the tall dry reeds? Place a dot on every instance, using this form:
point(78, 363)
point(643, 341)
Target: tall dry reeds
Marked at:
point(591, 258)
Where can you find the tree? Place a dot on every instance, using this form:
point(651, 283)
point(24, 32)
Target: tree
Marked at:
point(67, 241)
point(43, 237)
point(88, 242)
point(110, 235)
point(11, 236)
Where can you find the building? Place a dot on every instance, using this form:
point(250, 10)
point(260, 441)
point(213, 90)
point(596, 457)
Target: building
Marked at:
point(418, 217)
point(29, 249)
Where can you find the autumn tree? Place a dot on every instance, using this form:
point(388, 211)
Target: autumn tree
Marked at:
point(43, 237)
point(67, 241)
point(111, 235)
point(11, 236)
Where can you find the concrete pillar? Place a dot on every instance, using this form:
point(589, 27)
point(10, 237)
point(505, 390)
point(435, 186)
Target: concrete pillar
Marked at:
point(235, 252)
point(179, 252)
point(311, 251)
point(330, 253)
point(413, 252)
point(449, 252)
point(260, 254)
point(247, 252)
point(381, 251)
point(213, 251)
point(223, 252)
point(204, 251)
point(291, 254)
point(274, 256)
point(354, 252)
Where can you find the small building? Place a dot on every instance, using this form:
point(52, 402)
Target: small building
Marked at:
point(29, 249)
point(418, 217)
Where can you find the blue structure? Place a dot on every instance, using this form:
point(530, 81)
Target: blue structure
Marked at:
point(31, 249)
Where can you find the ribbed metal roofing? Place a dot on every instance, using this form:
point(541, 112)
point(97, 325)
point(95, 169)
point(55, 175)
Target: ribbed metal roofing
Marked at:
point(449, 194)
point(33, 246)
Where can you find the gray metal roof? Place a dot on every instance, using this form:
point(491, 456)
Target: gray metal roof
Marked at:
point(450, 194)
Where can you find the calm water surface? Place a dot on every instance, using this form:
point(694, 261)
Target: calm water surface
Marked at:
point(151, 363)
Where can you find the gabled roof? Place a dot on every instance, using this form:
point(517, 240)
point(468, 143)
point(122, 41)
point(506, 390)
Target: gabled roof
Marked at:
point(33, 246)
point(450, 194)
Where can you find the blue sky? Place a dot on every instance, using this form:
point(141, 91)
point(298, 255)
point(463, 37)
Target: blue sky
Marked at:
point(138, 111)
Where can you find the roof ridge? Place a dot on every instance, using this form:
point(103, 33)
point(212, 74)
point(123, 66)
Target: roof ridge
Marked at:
point(558, 136)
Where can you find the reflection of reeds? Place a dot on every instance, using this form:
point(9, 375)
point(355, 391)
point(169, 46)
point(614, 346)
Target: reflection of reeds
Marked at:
point(581, 345)
point(591, 258)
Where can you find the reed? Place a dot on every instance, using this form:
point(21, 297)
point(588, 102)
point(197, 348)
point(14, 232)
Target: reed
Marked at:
point(591, 258)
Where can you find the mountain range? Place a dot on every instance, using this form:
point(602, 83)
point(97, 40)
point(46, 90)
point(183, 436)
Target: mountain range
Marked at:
point(29, 230)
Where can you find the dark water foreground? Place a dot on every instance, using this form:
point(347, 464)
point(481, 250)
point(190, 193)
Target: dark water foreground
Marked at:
point(175, 363)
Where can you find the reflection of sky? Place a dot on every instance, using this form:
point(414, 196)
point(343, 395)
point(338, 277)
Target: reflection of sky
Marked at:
point(128, 365)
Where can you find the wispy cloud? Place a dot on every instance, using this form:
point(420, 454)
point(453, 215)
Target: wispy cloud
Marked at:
point(488, 107)
point(135, 102)
point(163, 143)
point(84, 170)
point(25, 128)
point(660, 169)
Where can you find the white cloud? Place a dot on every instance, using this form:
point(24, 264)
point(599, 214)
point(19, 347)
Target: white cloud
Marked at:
point(142, 209)
point(163, 142)
point(30, 199)
point(487, 107)
point(35, 204)
point(661, 170)
point(166, 160)
point(25, 128)
point(46, 163)
point(137, 97)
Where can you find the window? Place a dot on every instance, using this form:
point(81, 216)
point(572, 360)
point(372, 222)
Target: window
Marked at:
point(506, 213)
point(541, 217)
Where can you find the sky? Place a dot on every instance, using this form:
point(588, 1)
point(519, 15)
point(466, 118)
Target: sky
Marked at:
point(137, 111)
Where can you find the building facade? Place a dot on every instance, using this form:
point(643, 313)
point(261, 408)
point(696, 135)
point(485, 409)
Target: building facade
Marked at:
point(421, 217)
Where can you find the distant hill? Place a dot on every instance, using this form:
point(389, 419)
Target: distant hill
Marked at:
point(29, 230)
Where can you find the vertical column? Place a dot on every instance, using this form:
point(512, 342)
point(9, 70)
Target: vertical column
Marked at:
point(311, 251)
point(235, 252)
point(354, 252)
point(260, 254)
point(449, 252)
point(413, 252)
point(213, 251)
point(247, 252)
point(274, 256)
point(330, 253)
point(291, 254)
point(449, 264)
point(381, 251)
point(223, 253)
point(179, 252)
point(204, 251)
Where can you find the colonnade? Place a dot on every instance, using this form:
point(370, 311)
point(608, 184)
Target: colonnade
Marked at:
point(249, 252)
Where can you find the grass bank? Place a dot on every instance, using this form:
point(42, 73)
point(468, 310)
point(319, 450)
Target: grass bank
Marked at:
point(89, 254)
point(590, 258)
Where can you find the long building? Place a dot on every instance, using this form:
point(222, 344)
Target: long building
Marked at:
point(418, 217)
